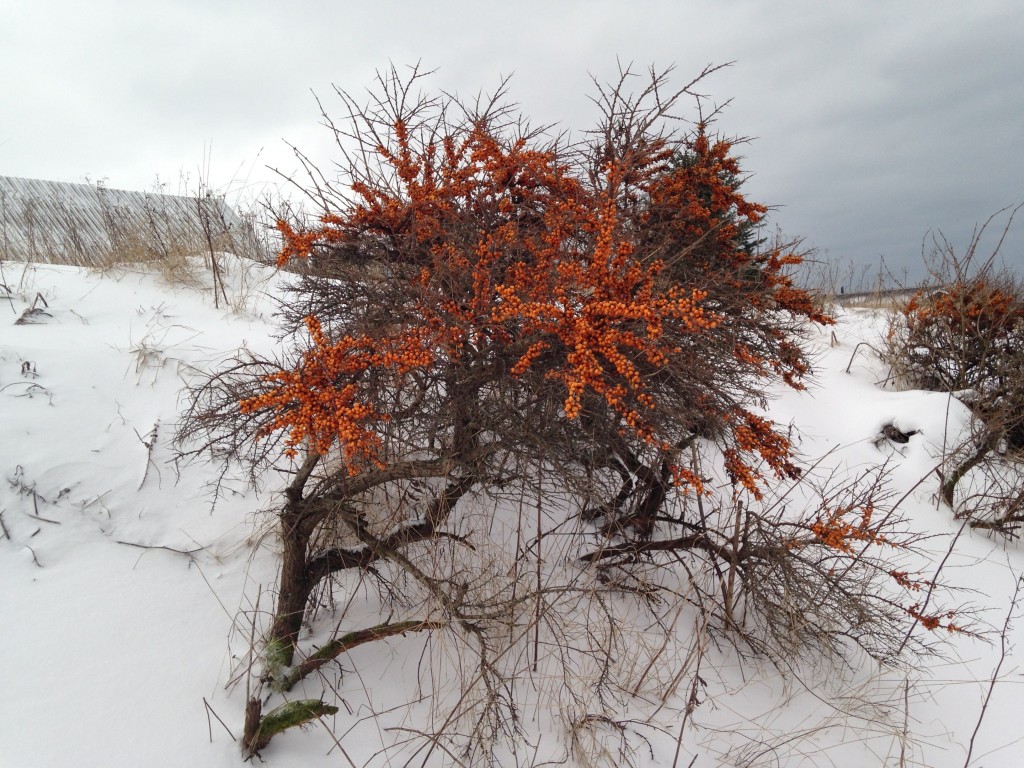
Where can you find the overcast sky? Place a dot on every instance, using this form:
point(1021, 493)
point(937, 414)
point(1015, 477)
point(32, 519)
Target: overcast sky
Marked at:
point(873, 123)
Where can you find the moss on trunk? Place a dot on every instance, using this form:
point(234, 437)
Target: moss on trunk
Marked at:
point(282, 718)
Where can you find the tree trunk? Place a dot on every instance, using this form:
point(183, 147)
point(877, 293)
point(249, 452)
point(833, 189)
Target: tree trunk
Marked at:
point(293, 591)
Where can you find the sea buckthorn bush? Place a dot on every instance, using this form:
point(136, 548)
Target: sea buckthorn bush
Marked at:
point(526, 391)
point(964, 334)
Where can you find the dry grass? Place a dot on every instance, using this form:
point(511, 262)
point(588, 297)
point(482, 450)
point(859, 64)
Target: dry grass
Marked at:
point(179, 237)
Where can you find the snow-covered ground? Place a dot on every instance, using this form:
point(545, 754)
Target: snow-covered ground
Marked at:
point(124, 594)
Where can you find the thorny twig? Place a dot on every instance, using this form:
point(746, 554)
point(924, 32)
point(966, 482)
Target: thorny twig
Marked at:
point(932, 584)
point(1003, 652)
point(209, 725)
point(861, 344)
point(149, 441)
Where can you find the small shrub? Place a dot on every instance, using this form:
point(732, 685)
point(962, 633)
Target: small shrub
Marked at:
point(965, 335)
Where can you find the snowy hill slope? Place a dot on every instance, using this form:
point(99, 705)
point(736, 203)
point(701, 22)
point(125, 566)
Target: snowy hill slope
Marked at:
point(125, 597)
point(111, 647)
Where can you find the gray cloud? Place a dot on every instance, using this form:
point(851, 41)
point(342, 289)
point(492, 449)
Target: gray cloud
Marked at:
point(873, 122)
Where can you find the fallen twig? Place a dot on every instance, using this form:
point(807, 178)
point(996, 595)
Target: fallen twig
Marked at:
point(31, 386)
point(37, 516)
point(189, 553)
point(34, 558)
